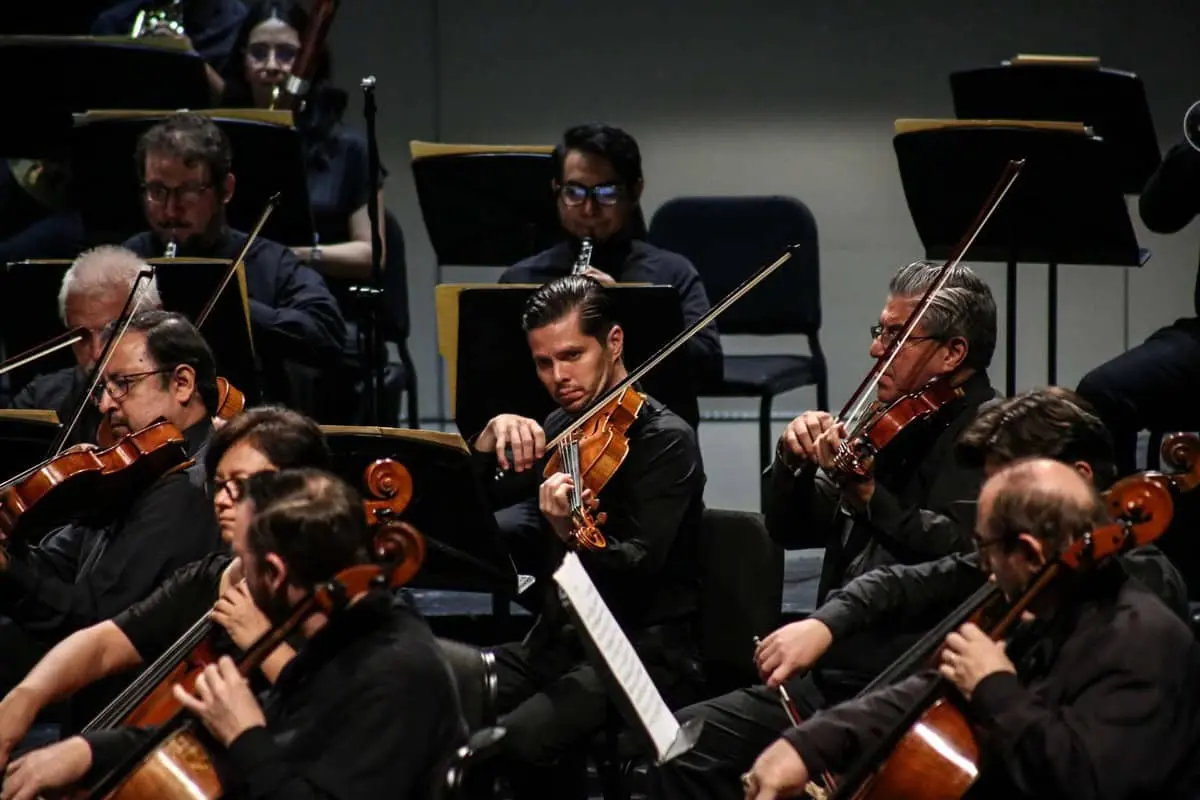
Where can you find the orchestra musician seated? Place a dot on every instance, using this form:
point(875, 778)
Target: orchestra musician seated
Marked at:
point(902, 599)
point(339, 177)
point(913, 504)
point(209, 28)
point(1093, 695)
point(367, 708)
point(82, 573)
point(552, 700)
point(184, 165)
point(598, 184)
point(267, 438)
point(93, 293)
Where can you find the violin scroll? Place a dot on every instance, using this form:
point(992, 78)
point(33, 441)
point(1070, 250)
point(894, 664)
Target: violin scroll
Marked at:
point(390, 484)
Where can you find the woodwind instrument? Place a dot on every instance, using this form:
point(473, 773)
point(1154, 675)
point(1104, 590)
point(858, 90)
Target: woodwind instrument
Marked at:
point(584, 262)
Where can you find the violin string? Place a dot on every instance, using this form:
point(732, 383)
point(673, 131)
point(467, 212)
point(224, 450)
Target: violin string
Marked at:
point(153, 675)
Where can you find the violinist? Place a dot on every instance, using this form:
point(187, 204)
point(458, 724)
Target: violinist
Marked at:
point(366, 709)
point(183, 165)
point(1093, 696)
point(260, 439)
point(81, 574)
point(93, 292)
point(913, 505)
point(598, 185)
point(902, 600)
point(551, 699)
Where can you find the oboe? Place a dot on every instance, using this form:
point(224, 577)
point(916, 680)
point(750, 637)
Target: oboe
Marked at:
point(171, 248)
point(584, 261)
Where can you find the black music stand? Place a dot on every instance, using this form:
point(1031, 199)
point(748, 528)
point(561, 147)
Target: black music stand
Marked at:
point(464, 551)
point(1065, 206)
point(76, 73)
point(494, 368)
point(267, 158)
point(27, 436)
point(487, 208)
point(186, 285)
point(1111, 102)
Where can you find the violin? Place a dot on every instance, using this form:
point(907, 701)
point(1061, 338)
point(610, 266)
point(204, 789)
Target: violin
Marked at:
point(181, 760)
point(591, 456)
point(49, 493)
point(933, 753)
point(869, 427)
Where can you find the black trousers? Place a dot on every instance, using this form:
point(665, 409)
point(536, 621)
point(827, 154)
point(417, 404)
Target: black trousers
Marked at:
point(555, 705)
point(1152, 386)
point(737, 727)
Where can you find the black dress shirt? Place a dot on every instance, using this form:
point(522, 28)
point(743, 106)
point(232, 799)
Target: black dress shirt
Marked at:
point(1106, 705)
point(213, 30)
point(647, 572)
point(293, 316)
point(367, 709)
point(80, 575)
point(923, 508)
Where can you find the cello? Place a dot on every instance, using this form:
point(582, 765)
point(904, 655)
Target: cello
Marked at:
point(932, 752)
point(174, 761)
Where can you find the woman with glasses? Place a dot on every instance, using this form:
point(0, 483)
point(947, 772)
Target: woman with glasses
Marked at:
point(336, 166)
point(260, 439)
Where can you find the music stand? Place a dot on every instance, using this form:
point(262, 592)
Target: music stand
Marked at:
point(463, 545)
point(27, 436)
point(81, 72)
point(1065, 206)
point(1109, 101)
point(268, 157)
point(29, 304)
point(492, 367)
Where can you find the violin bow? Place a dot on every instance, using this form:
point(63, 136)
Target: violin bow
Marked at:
point(670, 347)
point(237, 262)
point(861, 398)
point(42, 350)
point(133, 303)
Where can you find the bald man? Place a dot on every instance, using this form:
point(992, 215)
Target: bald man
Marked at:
point(1094, 696)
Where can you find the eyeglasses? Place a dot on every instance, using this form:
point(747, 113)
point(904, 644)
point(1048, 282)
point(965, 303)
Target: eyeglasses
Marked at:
point(235, 487)
point(982, 544)
point(118, 386)
point(261, 52)
point(159, 193)
point(888, 335)
point(576, 194)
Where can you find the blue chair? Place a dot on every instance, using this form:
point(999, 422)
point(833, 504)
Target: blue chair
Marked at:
point(727, 239)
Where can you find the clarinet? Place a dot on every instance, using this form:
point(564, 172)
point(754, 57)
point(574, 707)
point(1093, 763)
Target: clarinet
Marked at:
point(171, 248)
point(584, 261)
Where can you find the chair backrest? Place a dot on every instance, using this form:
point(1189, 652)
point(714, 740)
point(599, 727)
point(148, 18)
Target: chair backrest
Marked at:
point(475, 678)
point(728, 238)
point(395, 280)
point(742, 574)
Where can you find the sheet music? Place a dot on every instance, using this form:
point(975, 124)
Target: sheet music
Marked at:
point(618, 653)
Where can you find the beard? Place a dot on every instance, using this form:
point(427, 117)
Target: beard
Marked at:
point(273, 604)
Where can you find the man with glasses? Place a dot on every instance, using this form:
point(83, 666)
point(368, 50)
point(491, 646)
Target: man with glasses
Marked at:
point(93, 292)
point(263, 439)
point(598, 186)
point(184, 165)
point(88, 571)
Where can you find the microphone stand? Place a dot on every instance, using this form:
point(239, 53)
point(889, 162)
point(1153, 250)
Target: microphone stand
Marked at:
point(374, 294)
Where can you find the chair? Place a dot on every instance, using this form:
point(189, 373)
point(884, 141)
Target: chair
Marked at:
point(474, 672)
point(726, 239)
point(463, 777)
